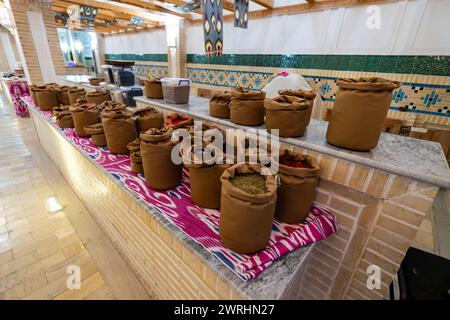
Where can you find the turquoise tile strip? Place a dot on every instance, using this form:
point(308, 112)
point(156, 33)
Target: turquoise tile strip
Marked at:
point(137, 57)
point(428, 65)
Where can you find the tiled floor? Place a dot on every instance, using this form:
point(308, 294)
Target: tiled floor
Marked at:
point(37, 247)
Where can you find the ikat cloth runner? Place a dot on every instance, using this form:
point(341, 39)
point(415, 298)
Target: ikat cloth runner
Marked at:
point(213, 27)
point(202, 225)
point(241, 13)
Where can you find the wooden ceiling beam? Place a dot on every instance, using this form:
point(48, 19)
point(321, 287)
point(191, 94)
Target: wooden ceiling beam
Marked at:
point(181, 3)
point(265, 3)
point(115, 9)
point(152, 7)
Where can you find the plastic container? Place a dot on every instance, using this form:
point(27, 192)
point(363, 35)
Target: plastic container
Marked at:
point(176, 90)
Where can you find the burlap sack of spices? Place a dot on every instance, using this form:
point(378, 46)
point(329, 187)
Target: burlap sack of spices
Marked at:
point(120, 130)
point(204, 177)
point(246, 218)
point(62, 95)
point(74, 93)
point(97, 134)
point(359, 112)
point(33, 90)
point(111, 106)
point(95, 81)
point(46, 98)
point(63, 117)
point(247, 107)
point(219, 105)
point(148, 118)
point(308, 95)
point(159, 170)
point(98, 97)
point(135, 155)
point(298, 181)
point(289, 114)
point(153, 89)
point(178, 120)
point(83, 115)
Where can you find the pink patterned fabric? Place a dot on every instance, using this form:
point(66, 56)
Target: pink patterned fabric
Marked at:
point(202, 225)
point(17, 90)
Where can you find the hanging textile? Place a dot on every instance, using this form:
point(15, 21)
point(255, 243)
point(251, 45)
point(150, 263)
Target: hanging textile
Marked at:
point(212, 27)
point(88, 14)
point(241, 13)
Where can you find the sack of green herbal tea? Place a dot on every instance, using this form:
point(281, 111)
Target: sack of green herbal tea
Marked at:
point(98, 97)
point(219, 105)
point(83, 115)
point(153, 88)
point(63, 117)
point(359, 112)
point(135, 156)
point(204, 175)
point(62, 95)
point(302, 94)
point(46, 98)
point(148, 118)
point(178, 120)
point(74, 93)
point(120, 130)
point(247, 208)
point(289, 114)
point(156, 149)
point(97, 134)
point(247, 107)
point(298, 176)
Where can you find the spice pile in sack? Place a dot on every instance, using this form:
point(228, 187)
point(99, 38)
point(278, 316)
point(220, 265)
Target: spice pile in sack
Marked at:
point(359, 112)
point(120, 129)
point(153, 88)
point(63, 117)
point(148, 118)
point(97, 134)
point(246, 217)
point(247, 107)
point(46, 98)
point(62, 95)
point(178, 120)
point(98, 97)
point(135, 156)
point(156, 149)
point(111, 106)
point(298, 176)
point(83, 115)
point(219, 105)
point(74, 93)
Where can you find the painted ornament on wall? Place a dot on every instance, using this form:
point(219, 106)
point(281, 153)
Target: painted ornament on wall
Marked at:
point(88, 14)
point(213, 27)
point(241, 13)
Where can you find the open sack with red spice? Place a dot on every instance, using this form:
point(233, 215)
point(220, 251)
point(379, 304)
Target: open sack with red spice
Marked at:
point(200, 224)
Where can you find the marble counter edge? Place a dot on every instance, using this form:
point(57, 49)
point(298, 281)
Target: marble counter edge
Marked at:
point(261, 287)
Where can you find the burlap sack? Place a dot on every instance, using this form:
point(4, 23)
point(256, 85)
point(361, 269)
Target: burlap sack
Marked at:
point(98, 97)
point(297, 188)
point(153, 89)
point(63, 117)
point(95, 81)
point(84, 115)
point(219, 105)
point(111, 106)
point(33, 90)
point(62, 95)
point(135, 155)
point(359, 112)
point(289, 114)
point(46, 98)
point(120, 130)
point(308, 95)
point(205, 178)
point(148, 118)
point(159, 170)
point(97, 134)
point(245, 219)
point(247, 107)
point(74, 93)
point(178, 120)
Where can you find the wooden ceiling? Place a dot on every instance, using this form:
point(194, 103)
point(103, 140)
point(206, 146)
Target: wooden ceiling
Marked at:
point(153, 12)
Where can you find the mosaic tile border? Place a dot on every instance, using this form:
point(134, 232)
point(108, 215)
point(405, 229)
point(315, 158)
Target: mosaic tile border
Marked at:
point(137, 57)
point(413, 97)
point(155, 70)
point(426, 65)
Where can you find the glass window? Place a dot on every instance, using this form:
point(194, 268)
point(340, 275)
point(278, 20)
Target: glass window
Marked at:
point(77, 47)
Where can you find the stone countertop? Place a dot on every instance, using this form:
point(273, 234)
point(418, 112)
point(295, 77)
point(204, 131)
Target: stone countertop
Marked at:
point(412, 158)
point(269, 285)
point(79, 80)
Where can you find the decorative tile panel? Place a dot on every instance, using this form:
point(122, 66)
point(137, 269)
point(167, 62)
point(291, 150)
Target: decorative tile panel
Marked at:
point(155, 71)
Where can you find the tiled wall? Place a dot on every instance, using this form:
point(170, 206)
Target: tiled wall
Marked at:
point(425, 79)
point(154, 64)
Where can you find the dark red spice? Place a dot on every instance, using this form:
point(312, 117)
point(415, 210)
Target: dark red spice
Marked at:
point(294, 164)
